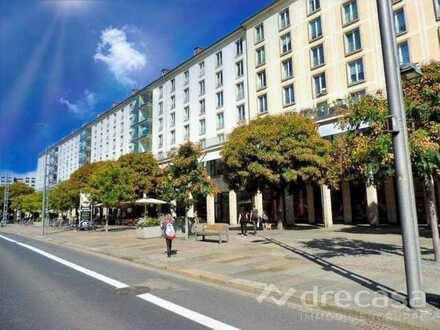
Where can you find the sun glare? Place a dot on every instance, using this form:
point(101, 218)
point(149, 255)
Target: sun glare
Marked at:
point(69, 5)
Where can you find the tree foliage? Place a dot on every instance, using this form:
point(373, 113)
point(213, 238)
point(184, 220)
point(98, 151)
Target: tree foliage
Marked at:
point(186, 178)
point(144, 172)
point(64, 197)
point(28, 203)
point(364, 151)
point(274, 152)
point(110, 185)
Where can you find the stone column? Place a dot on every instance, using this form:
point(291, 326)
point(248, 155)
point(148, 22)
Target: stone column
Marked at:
point(372, 205)
point(310, 204)
point(390, 200)
point(258, 202)
point(346, 202)
point(290, 214)
point(326, 200)
point(232, 208)
point(210, 209)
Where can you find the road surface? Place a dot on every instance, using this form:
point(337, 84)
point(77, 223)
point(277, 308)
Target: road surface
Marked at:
point(43, 286)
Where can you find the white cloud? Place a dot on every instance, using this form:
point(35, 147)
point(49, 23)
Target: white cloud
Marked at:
point(121, 56)
point(82, 106)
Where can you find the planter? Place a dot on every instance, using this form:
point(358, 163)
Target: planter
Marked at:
point(149, 232)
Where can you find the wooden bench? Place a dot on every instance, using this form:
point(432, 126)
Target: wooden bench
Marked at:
point(218, 229)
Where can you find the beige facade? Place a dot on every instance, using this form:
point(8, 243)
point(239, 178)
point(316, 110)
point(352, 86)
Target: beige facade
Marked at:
point(349, 33)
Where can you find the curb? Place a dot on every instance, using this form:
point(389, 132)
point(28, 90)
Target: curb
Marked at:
point(246, 286)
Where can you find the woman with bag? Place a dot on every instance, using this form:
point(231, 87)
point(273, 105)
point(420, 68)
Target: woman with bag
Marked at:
point(168, 232)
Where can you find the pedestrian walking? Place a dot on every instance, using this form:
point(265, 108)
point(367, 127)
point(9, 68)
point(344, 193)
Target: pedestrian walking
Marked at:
point(243, 218)
point(168, 232)
point(254, 219)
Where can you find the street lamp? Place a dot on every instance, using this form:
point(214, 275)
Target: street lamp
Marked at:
point(405, 186)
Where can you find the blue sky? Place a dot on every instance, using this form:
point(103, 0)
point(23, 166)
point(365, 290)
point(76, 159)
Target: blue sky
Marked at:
point(64, 61)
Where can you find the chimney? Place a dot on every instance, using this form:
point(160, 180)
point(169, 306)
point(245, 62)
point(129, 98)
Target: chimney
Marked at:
point(165, 71)
point(197, 51)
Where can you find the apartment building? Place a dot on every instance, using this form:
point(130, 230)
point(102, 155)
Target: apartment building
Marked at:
point(28, 180)
point(125, 128)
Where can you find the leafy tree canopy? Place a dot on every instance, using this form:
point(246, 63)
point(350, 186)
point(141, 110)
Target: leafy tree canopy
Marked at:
point(186, 178)
point(275, 151)
point(28, 203)
point(64, 197)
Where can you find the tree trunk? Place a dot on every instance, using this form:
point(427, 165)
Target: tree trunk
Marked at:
point(432, 215)
point(278, 217)
point(107, 215)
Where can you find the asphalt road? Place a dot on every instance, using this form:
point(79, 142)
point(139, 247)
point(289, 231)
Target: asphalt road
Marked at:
point(37, 292)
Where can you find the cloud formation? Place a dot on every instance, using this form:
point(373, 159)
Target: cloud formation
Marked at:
point(82, 106)
point(121, 56)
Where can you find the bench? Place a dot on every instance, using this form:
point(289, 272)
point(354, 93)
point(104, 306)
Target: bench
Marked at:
point(218, 229)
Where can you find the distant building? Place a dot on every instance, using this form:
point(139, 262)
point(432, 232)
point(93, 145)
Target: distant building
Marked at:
point(28, 180)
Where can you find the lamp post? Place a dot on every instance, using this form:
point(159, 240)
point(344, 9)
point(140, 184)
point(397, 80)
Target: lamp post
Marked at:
point(5, 201)
point(44, 199)
point(405, 187)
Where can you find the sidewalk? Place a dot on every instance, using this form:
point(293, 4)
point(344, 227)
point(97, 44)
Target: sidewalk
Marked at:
point(350, 270)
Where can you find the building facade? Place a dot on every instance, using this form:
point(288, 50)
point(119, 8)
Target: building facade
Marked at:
point(27, 180)
point(125, 128)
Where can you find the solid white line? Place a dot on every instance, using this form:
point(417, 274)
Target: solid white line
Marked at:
point(187, 313)
point(91, 273)
point(165, 304)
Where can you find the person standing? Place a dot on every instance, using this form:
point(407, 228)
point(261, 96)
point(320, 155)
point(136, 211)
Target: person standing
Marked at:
point(168, 232)
point(243, 219)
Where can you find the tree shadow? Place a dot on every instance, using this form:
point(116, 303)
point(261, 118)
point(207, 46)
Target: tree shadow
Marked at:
point(326, 265)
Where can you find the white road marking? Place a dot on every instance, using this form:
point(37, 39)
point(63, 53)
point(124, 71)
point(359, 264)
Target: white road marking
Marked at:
point(187, 313)
point(165, 304)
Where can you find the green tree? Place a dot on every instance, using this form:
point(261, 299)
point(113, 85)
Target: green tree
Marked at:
point(16, 190)
point(275, 152)
point(110, 185)
point(64, 197)
point(186, 179)
point(144, 171)
point(30, 203)
point(422, 97)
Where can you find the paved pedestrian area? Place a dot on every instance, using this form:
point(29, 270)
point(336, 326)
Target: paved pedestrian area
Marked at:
point(352, 270)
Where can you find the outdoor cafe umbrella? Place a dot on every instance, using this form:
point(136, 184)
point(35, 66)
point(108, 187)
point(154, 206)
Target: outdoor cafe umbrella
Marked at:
point(144, 201)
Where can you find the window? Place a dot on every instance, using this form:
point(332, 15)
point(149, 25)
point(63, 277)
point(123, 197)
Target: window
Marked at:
point(160, 121)
point(356, 96)
point(219, 100)
point(399, 21)
point(173, 137)
point(186, 95)
point(173, 85)
point(202, 127)
point(219, 58)
point(186, 132)
point(437, 9)
point(219, 79)
point(240, 69)
point(201, 69)
point(160, 108)
point(284, 19)
point(241, 113)
point(322, 109)
point(240, 91)
point(317, 54)
point(220, 120)
point(160, 92)
point(186, 114)
point(201, 88)
point(355, 71)
point(313, 5)
point(353, 41)
point(288, 95)
point(403, 52)
point(172, 119)
point(261, 56)
point(319, 84)
point(160, 142)
point(259, 33)
point(186, 77)
point(261, 80)
point(202, 107)
point(239, 47)
point(350, 12)
point(262, 103)
point(173, 102)
point(220, 138)
point(315, 29)
point(286, 43)
point(287, 69)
